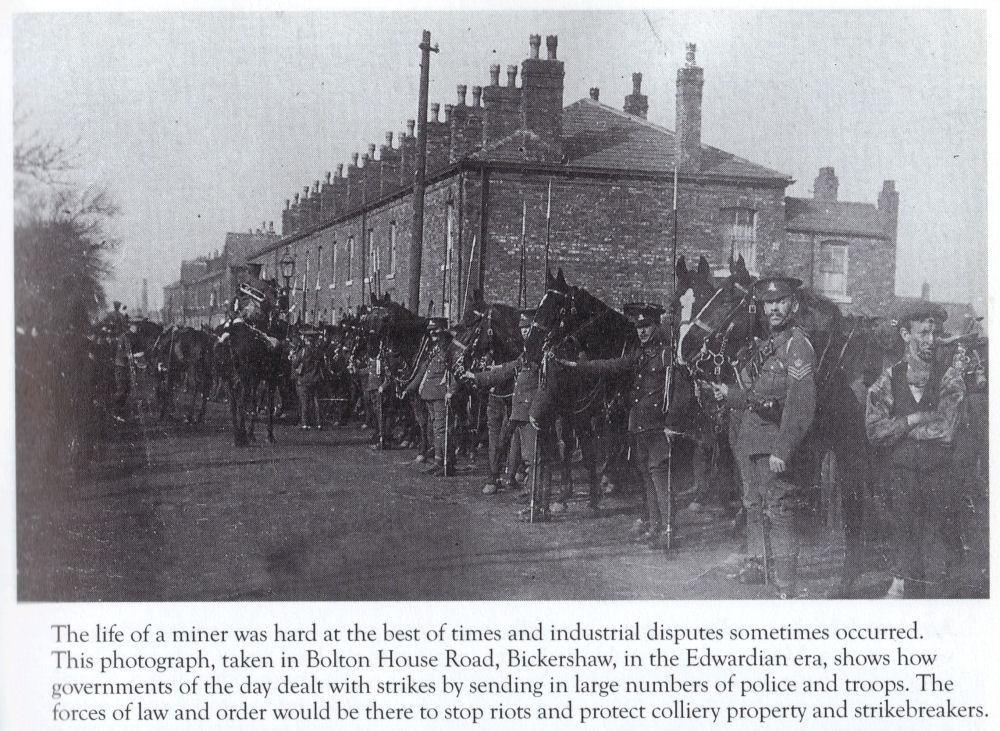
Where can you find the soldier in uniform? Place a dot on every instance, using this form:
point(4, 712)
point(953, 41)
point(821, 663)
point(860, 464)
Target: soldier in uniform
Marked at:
point(777, 392)
point(649, 365)
point(431, 382)
point(310, 367)
point(913, 410)
point(522, 375)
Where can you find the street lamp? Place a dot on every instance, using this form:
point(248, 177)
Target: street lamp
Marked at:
point(287, 270)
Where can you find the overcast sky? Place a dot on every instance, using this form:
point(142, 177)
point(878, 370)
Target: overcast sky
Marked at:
point(203, 124)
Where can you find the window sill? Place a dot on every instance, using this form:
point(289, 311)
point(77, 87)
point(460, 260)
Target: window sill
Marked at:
point(390, 276)
point(349, 282)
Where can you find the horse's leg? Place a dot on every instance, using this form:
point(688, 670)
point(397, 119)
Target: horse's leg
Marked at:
point(851, 460)
point(257, 395)
point(235, 406)
point(588, 448)
point(271, 388)
point(206, 392)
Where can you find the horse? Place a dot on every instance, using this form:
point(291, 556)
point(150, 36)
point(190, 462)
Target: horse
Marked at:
point(488, 334)
point(248, 359)
point(184, 355)
point(570, 322)
point(714, 344)
point(394, 337)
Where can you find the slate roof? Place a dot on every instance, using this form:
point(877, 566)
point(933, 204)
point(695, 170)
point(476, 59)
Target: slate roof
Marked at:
point(834, 217)
point(600, 136)
point(240, 245)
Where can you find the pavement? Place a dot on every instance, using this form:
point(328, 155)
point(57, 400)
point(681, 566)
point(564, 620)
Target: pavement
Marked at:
point(178, 513)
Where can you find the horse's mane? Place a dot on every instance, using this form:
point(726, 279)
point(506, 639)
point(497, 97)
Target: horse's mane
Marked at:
point(819, 316)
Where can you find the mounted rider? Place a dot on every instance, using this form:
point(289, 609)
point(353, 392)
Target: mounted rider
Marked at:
point(776, 393)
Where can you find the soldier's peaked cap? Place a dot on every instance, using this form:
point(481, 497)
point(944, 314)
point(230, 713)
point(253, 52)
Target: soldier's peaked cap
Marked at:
point(435, 324)
point(643, 314)
point(772, 289)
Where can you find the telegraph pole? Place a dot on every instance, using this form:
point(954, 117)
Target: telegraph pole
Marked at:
point(417, 233)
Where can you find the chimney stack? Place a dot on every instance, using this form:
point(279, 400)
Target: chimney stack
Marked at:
point(595, 93)
point(501, 106)
point(825, 185)
point(690, 80)
point(542, 97)
point(637, 103)
point(888, 208)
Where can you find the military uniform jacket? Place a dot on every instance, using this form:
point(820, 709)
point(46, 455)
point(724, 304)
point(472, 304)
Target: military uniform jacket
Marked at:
point(431, 379)
point(786, 377)
point(648, 365)
point(525, 378)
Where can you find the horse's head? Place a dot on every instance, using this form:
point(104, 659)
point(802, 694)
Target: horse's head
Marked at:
point(549, 316)
point(712, 320)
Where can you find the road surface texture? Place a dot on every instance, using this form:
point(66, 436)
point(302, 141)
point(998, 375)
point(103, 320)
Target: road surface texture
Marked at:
point(179, 513)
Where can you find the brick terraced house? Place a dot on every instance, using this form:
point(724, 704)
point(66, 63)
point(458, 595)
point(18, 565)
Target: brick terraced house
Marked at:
point(491, 164)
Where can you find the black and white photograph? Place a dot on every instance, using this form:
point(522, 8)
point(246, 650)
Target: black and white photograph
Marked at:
point(500, 305)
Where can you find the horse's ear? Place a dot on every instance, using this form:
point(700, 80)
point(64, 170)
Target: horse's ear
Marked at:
point(681, 268)
point(740, 266)
point(549, 279)
point(560, 279)
point(704, 270)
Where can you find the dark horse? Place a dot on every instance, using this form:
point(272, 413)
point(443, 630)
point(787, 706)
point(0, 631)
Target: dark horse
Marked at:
point(247, 360)
point(488, 334)
point(184, 355)
point(571, 323)
point(716, 340)
point(394, 338)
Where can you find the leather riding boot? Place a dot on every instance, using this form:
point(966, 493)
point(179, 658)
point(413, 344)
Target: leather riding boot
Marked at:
point(752, 572)
point(785, 576)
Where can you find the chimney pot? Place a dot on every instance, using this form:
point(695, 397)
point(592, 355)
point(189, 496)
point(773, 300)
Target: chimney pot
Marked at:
point(288, 204)
point(448, 108)
point(364, 160)
point(435, 111)
point(495, 75)
point(511, 76)
point(328, 176)
point(371, 150)
point(410, 124)
point(689, 56)
point(316, 186)
point(388, 139)
point(461, 88)
point(340, 169)
point(477, 94)
point(354, 159)
point(270, 227)
point(595, 93)
point(296, 197)
point(637, 83)
point(305, 191)
point(551, 42)
point(535, 42)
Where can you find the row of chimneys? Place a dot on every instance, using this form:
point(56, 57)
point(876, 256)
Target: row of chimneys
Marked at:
point(825, 189)
point(496, 113)
point(266, 229)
